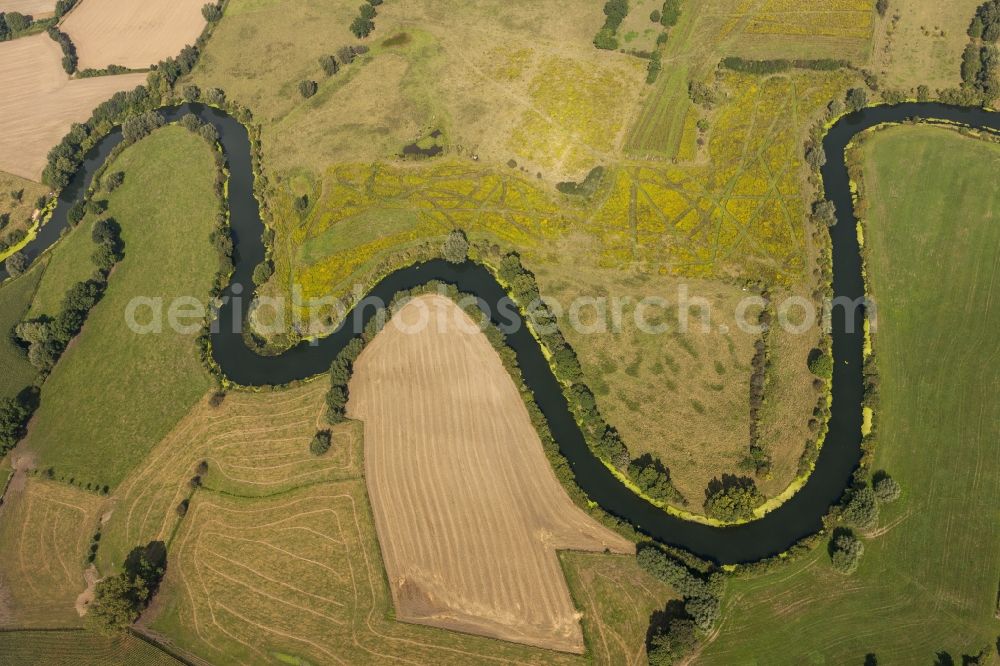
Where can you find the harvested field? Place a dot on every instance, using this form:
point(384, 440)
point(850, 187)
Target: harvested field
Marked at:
point(461, 490)
point(36, 8)
point(45, 528)
point(133, 34)
point(253, 444)
point(40, 102)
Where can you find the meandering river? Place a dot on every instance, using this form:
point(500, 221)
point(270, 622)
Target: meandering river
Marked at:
point(800, 516)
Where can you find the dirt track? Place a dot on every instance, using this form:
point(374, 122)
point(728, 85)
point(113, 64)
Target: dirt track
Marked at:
point(133, 34)
point(39, 102)
point(469, 514)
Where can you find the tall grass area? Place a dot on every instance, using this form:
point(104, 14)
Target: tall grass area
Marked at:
point(15, 297)
point(115, 393)
point(928, 584)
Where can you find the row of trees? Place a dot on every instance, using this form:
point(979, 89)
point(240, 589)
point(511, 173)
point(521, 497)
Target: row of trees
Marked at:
point(686, 622)
point(15, 413)
point(69, 58)
point(45, 337)
point(777, 65)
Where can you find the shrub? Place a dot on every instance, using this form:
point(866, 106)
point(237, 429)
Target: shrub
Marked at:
point(212, 12)
point(308, 88)
point(882, 6)
point(215, 96)
point(114, 180)
point(329, 64)
point(182, 508)
point(654, 16)
point(361, 27)
point(456, 247)
point(857, 99)
point(845, 552)
point(192, 93)
point(263, 272)
point(17, 263)
point(14, 415)
point(821, 364)
point(605, 39)
point(320, 443)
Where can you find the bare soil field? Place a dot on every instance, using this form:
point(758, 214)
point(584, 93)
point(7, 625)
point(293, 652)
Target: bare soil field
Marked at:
point(36, 8)
point(468, 511)
point(133, 34)
point(40, 103)
point(45, 528)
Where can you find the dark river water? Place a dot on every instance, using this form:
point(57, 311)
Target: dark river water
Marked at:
point(798, 517)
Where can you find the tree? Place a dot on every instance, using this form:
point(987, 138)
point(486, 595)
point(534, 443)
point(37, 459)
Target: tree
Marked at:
point(115, 606)
point(16, 21)
point(192, 93)
point(308, 88)
point(825, 213)
point(885, 487)
point(14, 415)
point(671, 644)
point(846, 551)
point(17, 263)
point(733, 498)
point(212, 12)
point(606, 39)
point(361, 27)
point(972, 65)
point(654, 16)
point(456, 247)
point(857, 99)
point(862, 509)
point(704, 611)
point(208, 132)
point(329, 64)
point(821, 364)
point(923, 93)
point(882, 6)
point(320, 443)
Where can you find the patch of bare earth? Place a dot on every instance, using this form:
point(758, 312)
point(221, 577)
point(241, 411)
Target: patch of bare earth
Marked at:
point(468, 512)
point(40, 102)
point(133, 34)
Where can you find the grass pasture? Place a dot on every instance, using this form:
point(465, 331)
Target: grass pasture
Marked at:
point(57, 648)
point(115, 393)
point(40, 102)
point(15, 298)
point(928, 583)
point(45, 529)
point(106, 32)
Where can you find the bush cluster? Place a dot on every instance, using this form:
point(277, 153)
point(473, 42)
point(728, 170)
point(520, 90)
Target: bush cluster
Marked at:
point(615, 12)
point(364, 23)
point(69, 59)
point(118, 600)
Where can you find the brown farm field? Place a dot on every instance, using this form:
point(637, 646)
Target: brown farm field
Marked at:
point(132, 34)
point(36, 8)
point(45, 529)
point(468, 511)
point(40, 103)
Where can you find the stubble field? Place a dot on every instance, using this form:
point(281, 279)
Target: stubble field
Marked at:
point(40, 101)
point(135, 35)
point(468, 511)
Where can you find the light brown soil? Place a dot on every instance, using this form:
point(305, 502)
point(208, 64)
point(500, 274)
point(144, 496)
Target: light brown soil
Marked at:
point(133, 34)
point(468, 512)
point(39, 101)
point(36, 8)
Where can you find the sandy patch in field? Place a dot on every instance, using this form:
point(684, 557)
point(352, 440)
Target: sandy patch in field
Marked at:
point(133, 34)
point(36, 8)
point(39, 102)
point(468, 512)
